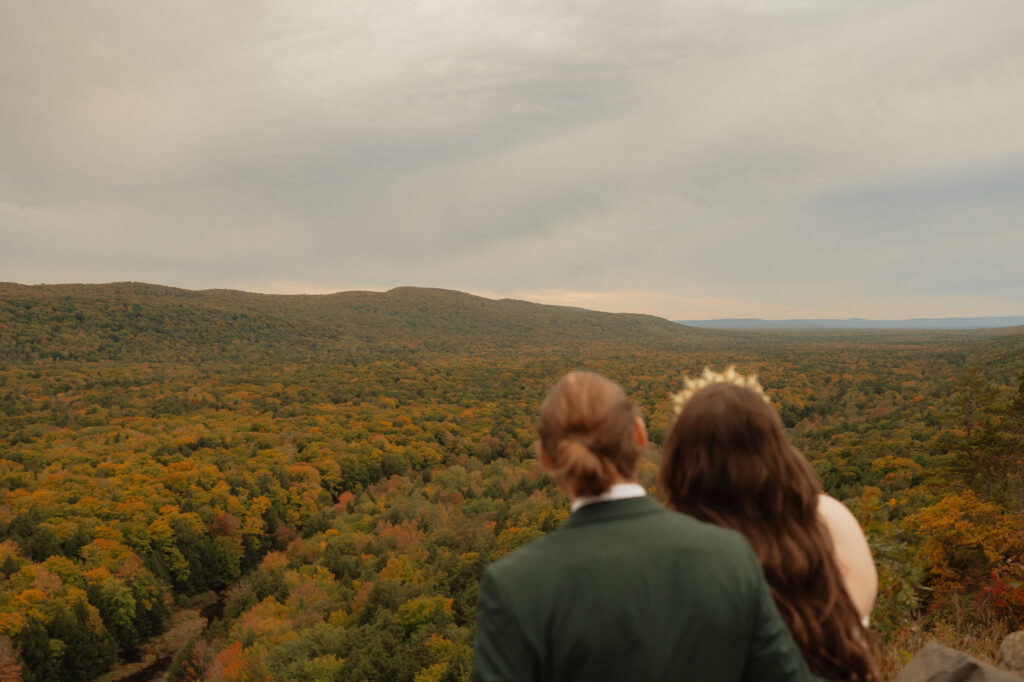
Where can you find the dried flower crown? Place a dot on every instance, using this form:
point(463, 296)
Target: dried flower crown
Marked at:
point(729, 376)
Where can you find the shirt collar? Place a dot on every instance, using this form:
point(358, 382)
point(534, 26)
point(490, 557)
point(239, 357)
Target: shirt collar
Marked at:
point(619, 491)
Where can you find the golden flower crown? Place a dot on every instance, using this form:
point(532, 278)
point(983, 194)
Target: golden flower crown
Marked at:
point(729, 376)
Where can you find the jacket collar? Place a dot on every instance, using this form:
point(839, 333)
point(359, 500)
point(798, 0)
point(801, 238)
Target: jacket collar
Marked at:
point(597, 512)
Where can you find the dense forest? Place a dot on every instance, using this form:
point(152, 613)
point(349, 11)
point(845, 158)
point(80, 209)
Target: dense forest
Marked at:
point(339, 469)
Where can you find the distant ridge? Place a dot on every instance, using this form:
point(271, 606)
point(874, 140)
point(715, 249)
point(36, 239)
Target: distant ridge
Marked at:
point(135, 321)
point(937, 323)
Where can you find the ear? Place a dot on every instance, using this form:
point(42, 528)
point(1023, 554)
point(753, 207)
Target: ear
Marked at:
point(542, 457)
point(640, 432)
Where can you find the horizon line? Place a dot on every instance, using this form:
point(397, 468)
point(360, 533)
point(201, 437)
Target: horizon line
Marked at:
point(597, 301)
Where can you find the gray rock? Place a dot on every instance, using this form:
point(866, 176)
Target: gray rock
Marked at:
point(1011, 653)
point(937, 663)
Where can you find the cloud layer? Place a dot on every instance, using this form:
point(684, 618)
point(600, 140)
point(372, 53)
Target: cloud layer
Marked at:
point(699, 159)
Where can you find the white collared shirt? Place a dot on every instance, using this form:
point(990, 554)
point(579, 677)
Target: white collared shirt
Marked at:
point(619, 491)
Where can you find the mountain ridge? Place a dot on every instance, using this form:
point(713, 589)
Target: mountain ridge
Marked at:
point(140, 321)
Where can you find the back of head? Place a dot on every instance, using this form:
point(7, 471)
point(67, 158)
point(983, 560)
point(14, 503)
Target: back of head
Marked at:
point(587, 431)
point(727, 460)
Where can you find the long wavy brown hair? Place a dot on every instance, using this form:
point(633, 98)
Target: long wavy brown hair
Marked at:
point(727, 461)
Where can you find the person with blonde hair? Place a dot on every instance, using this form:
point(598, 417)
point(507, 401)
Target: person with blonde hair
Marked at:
point(624, 589)
point(727, 461)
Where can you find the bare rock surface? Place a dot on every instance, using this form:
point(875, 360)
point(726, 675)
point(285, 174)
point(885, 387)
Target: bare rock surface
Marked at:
point(1011, 653)
point(938, 663)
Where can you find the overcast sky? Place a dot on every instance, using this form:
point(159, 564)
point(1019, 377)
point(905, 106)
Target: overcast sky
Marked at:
point(719, 158)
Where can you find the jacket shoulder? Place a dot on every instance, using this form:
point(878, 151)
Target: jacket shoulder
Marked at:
point(655, 533)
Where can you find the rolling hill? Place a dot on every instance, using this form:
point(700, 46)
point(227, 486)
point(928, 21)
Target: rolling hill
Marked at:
point(135, 321)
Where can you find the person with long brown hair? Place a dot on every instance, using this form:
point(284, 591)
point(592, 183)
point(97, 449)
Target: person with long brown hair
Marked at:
point(624, 589)
point(727, 461)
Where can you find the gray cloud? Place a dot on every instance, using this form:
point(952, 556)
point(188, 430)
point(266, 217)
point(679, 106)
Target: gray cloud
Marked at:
point(810, 157)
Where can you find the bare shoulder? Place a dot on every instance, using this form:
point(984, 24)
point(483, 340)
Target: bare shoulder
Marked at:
point(837, 517)
point(843, 526)
point(851, 551)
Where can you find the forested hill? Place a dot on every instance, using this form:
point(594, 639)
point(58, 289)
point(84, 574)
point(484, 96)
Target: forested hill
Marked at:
point(134, 321)
point(340, 469)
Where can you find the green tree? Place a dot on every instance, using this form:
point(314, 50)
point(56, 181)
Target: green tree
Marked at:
point(1015, 438)
point(978, 456)
point(37, 653)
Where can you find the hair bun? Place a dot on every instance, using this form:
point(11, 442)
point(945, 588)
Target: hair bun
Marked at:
point(590, 473)
point(587, 429)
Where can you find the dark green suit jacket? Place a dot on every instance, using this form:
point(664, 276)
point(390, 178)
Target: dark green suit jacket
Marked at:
point(628, 590)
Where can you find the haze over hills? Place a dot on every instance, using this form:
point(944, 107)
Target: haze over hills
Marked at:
point(148, 322)
point(130, 321)
point(942, 323)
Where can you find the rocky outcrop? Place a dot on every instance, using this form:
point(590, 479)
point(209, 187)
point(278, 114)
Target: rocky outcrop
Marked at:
point(937, 663)
point(1011, 653)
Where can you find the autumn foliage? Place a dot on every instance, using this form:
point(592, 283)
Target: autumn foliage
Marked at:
point(344, 503)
